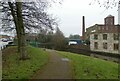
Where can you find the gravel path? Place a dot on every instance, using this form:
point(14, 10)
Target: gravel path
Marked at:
point(57, 68)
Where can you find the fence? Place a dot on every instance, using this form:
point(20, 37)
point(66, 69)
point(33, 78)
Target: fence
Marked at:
point(41, 45)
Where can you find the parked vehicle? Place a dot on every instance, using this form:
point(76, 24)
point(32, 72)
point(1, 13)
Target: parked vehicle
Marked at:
point(5, 40)
point(11, 43)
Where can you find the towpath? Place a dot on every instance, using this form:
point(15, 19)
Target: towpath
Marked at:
point(57, 68)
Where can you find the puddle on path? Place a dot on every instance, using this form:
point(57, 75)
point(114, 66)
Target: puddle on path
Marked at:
point(64, 59)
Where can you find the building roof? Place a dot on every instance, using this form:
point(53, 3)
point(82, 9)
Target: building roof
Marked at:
point(98, 28)
point(104, 28)
point(110, 15)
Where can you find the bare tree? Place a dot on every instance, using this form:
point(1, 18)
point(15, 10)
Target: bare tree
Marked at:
point(59, 41)
point(105, 3)
point(25, 15)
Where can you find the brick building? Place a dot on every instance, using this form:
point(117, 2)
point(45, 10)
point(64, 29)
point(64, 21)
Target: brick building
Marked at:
point(104, 37)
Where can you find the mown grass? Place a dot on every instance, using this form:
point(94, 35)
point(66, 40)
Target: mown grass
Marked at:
point(18, 69)
point(86, 67)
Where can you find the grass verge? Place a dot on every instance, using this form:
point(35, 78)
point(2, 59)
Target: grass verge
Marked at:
point(86, 67)
point(18, 69)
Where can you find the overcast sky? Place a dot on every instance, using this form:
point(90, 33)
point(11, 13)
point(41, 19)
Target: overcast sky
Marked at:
point(70, 13)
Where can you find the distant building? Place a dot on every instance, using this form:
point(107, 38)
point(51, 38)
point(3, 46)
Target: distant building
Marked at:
point(104, 37)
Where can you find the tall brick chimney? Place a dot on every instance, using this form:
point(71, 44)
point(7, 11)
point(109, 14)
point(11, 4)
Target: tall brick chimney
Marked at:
point(83, 28)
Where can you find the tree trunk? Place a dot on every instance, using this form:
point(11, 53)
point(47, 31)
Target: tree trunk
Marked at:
point(18, 20)
point(22, 38)
point(16, 24)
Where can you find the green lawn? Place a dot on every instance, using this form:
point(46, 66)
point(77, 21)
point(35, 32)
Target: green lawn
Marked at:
point(18, 69)
point(86, 67)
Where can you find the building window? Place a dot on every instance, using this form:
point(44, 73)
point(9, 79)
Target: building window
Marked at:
point(99, 28)
point(106, 27)
point(104, 36)
point(96, 45)
point(107, 21)
point(116, 46)
point(104, 45)
point(116, 37)
point(111, 23)
point(95, 36)
point(102, 28)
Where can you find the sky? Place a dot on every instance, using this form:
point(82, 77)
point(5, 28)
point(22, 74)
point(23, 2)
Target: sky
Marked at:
point(70, 12)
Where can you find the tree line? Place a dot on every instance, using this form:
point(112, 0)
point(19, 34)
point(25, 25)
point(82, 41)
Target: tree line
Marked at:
point(49, 39)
